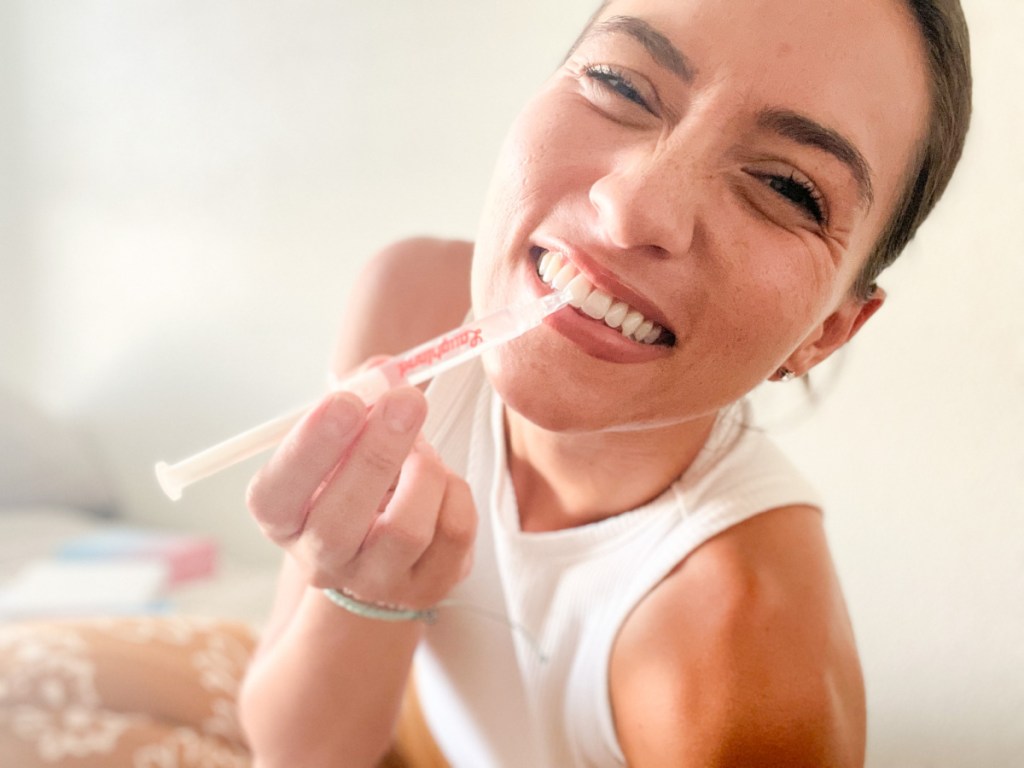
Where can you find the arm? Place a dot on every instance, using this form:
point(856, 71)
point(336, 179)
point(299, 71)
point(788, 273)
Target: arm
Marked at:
point(328, 690)
point(325, 686)
point(743, 656)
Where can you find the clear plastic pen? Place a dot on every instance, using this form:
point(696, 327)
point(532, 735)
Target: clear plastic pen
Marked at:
point(413, 367)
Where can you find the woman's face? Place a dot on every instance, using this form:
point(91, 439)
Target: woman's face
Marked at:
point(723, 169)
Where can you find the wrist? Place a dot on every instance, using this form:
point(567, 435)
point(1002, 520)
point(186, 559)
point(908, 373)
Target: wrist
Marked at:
point(378, 611)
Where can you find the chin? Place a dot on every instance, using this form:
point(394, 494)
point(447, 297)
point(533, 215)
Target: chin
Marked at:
point(557, 404)
point(534, 392)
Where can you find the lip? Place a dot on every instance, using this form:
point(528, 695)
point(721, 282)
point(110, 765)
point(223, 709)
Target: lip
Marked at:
point(591, 336)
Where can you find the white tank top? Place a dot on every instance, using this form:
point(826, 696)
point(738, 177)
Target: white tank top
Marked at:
point(536, 694)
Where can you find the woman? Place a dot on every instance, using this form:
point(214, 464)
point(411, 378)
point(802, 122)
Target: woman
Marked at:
point(722, 184)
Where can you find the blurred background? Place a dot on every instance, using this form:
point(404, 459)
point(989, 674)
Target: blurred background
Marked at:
point(187, 189)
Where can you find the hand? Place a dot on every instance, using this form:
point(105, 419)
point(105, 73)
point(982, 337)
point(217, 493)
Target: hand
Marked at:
point(363, 503)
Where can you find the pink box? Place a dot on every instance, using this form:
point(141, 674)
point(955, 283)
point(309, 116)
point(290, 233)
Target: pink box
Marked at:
point(186, 556)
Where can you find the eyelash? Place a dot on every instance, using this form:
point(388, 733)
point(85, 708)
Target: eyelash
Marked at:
point(802, 193)
point(617, 82)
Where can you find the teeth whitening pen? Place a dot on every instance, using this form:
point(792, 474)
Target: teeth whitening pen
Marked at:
point(413, 367)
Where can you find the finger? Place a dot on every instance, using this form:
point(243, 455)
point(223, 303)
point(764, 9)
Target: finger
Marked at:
point(279, 494)
point(448, 558)
point(344, 510)
point(401, 534)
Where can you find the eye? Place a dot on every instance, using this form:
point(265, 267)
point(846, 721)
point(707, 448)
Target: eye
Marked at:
point(799, 191)
point(617, 82)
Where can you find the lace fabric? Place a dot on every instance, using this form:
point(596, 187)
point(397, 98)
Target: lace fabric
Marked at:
point(145, 692)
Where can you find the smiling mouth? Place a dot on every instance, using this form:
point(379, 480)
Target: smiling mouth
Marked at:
point(556, 271)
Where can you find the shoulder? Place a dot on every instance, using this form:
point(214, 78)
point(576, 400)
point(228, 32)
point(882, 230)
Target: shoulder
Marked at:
point(405, 294)
point(743, 656)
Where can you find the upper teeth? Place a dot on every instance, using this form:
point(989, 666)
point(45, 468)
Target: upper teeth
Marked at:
point(557, 272)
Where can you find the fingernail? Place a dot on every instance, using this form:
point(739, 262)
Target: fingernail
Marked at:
point(342, 417)
point(401, 414)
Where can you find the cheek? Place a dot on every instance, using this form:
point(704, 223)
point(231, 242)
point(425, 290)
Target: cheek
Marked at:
point(540, 171)
point(519, 175)
point(552, 149)
point(763, 290)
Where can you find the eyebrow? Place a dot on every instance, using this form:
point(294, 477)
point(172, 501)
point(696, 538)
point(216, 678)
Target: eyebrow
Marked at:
point(810, 133)
point(656, 44)
point(787, 123)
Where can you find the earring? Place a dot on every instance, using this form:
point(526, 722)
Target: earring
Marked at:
point(785, 374)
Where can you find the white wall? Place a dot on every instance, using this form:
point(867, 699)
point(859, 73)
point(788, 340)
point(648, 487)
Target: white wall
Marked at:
point(199, 182)
point(189, 186)
point(16, 270)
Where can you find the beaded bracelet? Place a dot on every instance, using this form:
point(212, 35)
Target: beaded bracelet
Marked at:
point(379, 612)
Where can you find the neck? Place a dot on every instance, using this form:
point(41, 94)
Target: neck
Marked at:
point(564, 480)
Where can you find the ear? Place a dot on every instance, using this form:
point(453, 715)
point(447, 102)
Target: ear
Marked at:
point(837, 329)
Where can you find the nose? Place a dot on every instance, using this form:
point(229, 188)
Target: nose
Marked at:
point(647, 202)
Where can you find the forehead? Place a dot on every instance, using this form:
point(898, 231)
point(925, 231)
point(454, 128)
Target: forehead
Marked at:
point(856, 67)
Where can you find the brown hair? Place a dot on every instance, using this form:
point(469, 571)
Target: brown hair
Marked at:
point(944, 31)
